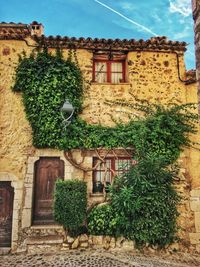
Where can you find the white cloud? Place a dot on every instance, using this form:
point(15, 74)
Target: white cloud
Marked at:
point(139, 26)
point(180, 6)
point(127, 6)
point(185, 33)
point(156, 17)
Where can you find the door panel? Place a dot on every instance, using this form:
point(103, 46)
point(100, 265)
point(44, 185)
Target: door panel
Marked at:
point(6, 210)
point(47, 170)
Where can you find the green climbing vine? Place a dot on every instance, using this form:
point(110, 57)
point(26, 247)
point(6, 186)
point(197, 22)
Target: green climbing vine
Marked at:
point(46, 80)
point(144, 199)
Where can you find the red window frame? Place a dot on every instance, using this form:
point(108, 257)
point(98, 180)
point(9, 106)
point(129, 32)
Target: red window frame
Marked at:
point(109, 72)
point(114, 171)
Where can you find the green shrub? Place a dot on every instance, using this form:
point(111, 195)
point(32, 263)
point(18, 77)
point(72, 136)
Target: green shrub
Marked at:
point(102, 220)
point(146, 201)
point(70, 203)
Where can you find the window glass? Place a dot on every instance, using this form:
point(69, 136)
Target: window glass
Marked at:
point(100, 72)
point(116, 67)
point(109, 71)
point(116, 77)
point(106, 171)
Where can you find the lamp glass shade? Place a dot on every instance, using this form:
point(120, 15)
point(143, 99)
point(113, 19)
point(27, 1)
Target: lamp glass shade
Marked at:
point(67, 107)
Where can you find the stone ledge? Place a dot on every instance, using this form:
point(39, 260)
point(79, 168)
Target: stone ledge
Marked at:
point(44, 240)
point(48, 227)
point(4, 251)
point(197, 221)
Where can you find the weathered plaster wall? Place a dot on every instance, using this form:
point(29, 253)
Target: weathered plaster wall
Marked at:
point(15, 130)
point(150, 75)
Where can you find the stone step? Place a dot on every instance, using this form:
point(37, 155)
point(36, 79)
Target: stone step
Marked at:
point(43, 244)
point(45, 240)
point(4, 251)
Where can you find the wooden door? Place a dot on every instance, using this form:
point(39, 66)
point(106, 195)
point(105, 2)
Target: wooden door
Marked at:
point(47, 170)
point(6, 211)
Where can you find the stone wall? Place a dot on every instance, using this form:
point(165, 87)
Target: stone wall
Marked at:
point(150, 75)
point(15, 136)
point(195, 207)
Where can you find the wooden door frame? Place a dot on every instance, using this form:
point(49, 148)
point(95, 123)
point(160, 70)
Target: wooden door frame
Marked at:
point(35, 184)
point(7, 204)
point(27, 208)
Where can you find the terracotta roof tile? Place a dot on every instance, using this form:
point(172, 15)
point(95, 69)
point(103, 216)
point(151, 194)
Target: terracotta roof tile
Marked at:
point(13, 30)
point(20, 31)
point(155, 43)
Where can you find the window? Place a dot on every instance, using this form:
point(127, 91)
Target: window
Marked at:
point(109, 71)
point(106, 171)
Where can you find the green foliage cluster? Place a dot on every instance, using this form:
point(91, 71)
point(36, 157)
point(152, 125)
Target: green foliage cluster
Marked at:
point(70, 203)
point(102, 220)
point(46, 81)
point(142, 205)
point(162, 132)
point(146, 201)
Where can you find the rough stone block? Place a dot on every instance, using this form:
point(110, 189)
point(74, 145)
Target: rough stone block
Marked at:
point(69, 239)
point(30, 168)
point(195, 204)
point(32, 160)
point(97, 240)
point(128, 245)
point(26, 218)
point(68, 175)
point(198, 248)
point(197, 221)
point(75, 243)
point(28, 198)
point(112, 243)
point(194, 238)
point(119, 242)
point(83, 238)
point(84, 245)
point(195, 193)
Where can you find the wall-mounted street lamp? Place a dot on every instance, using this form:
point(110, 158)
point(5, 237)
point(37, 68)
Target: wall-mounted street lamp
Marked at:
point(69, 110)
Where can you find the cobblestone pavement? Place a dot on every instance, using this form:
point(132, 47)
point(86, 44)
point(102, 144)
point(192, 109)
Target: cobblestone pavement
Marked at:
point(88, 259)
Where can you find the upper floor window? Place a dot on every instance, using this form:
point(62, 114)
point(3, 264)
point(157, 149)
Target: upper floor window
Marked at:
point(109, 71)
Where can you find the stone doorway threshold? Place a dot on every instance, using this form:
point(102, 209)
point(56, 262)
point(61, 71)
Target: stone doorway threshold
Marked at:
point(4, 250)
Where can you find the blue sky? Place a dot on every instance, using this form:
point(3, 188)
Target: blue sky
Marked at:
point(138, 19)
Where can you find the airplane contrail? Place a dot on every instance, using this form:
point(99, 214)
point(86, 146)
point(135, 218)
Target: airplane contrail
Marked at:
point(126, 18)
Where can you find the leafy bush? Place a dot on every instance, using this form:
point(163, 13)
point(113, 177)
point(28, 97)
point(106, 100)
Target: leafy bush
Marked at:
point(70, 203)
point(146, 201)
point(102, 220)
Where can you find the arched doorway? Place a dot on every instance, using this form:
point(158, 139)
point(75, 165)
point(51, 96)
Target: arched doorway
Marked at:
point(6, 213)
point(47, 171)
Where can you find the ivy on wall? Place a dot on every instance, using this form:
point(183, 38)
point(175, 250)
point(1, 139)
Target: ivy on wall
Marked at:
point(157, 138)
point(46, 80)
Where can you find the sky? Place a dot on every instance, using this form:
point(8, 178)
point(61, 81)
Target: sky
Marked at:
point(123, 19)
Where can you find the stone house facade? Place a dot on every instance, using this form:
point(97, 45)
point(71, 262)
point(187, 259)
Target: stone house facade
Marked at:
point(153, 69)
